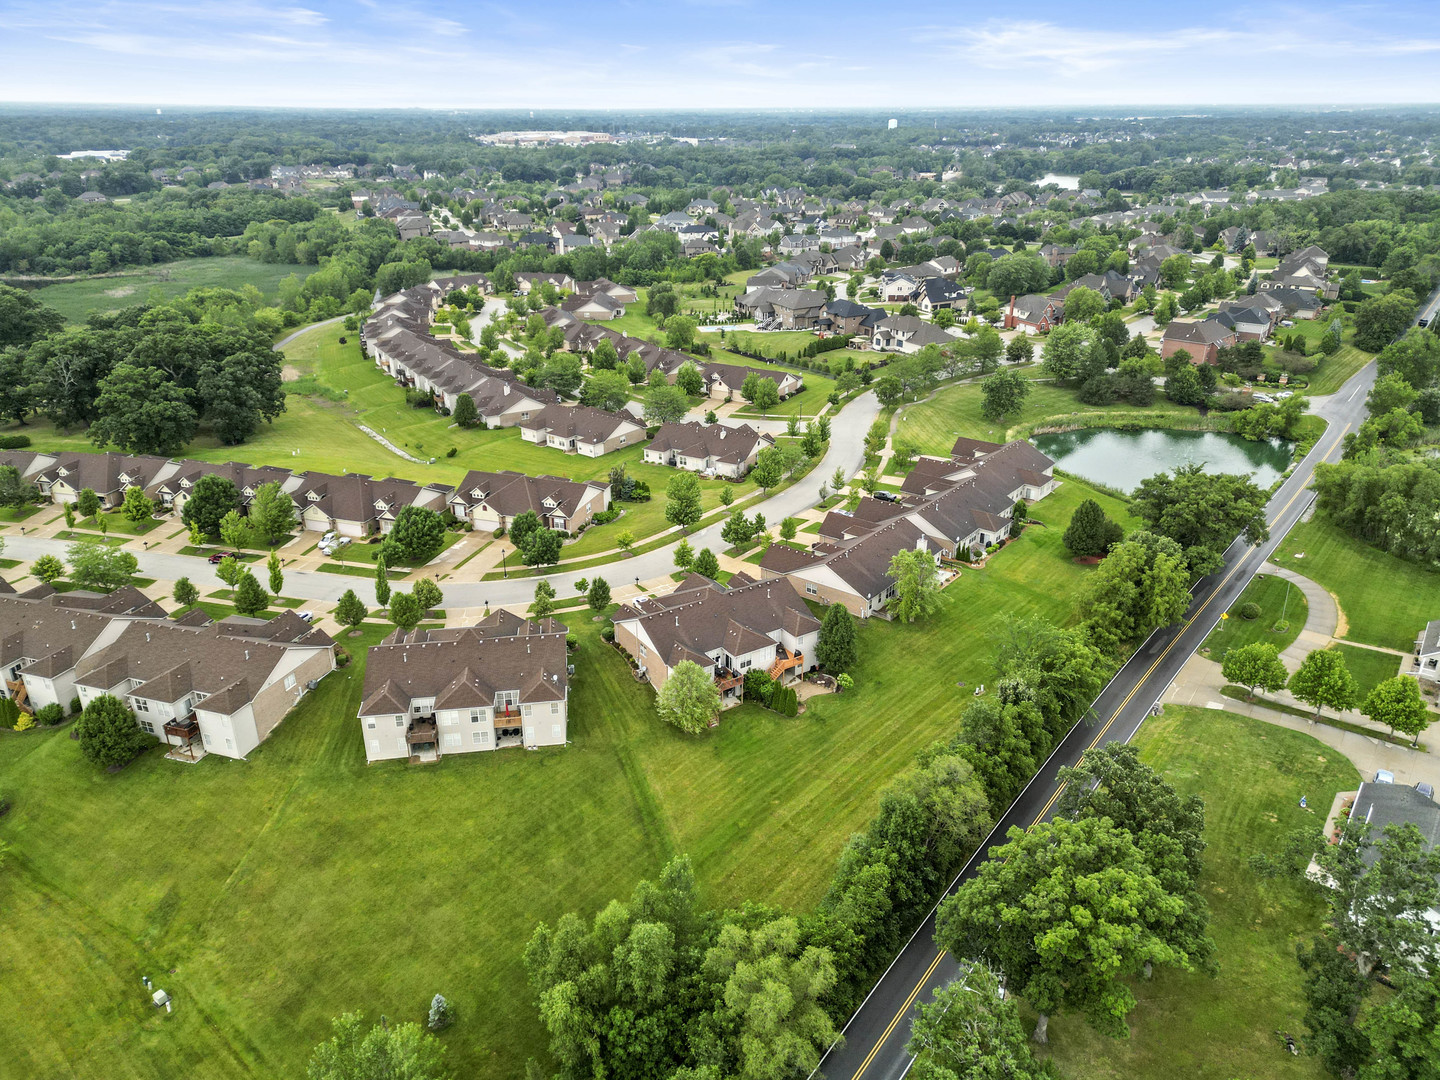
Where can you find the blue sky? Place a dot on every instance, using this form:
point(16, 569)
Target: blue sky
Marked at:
point(715, 53)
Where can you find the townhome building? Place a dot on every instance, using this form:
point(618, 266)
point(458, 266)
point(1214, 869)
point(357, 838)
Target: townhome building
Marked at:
point(750, 626)
point(220, 688)
point(500, 683)
point(354, 504)
point(493, 500)
point(108, 474)
point(721, 449)
point(726, 381)
point(580, 429)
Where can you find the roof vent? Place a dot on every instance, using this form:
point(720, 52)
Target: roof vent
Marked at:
point(247, 654)
point(72, 627)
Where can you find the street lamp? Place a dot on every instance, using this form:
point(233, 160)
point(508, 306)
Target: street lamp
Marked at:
point(503, 572)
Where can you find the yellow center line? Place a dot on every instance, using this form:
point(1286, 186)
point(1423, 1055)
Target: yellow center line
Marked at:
point(1094, 742)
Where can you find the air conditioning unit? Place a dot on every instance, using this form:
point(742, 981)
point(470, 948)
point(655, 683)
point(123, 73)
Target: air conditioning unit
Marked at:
point(569, 669)
point(312, 684)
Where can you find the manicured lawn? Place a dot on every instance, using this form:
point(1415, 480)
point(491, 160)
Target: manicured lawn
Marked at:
point(1335, 371)
point(1274, 595)
point(301, 883)
point(1384, 600)
point(17, 513)
point(1369, 667)
point(1251, 776)
point(934, 425)
point(116, 522)
point(77, 299)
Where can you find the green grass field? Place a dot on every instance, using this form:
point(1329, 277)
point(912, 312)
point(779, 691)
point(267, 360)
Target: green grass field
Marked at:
point(77, 299)
point(1251, 776)
point(1275, 596)
point(1384, 600)
point(1369, 667)
point(300, 884)
point(934, 425)
point(1335, 371)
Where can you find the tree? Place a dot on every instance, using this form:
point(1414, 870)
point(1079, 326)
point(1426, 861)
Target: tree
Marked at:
point(1404, 1030)
point(523, 527)
point(598, 598)
point(1004, 392)
point(237, 391)
point(1397, 704)
point(47, 568)
point(1065, 351)
point(665, 404)
point(87, 503)
point(1390, 392)
point(1381, 319)
point(970, 1030)
point(1255, 666)
point(277, 575)
point(706, 564)
point(767, 396)
point(609, 390)
point(836, 649)
point(1203, 512)
point(382, 1052)
point(789, 526)
point(1414, 357)
point(1020, 349)
point(235, 531)
point(229, 570)
point(1082, 304)
point(417, 536)
point(689, 699)
point(137, 507)
point(680, 332)
point(350, 611)
point(1068, 911)
point(1090, 532)
point(543, 547)
point(684, 555)
point(769, 467)
point(1333, 992)
point(1323, 679)
point(770, 990)
point(737, 530)
point(108, 733)
point(212, 497)
point(1185, 387)
point(1141, 585)
point(464, 413)
point(272, 513)
point(427, 594)
point(382, 581)
point(917, 583)
point(682, 500)
point(94, 565)
point(604, 357)
point(405, 611)
point(623, 539)
point(250, 598)
point(141, 411)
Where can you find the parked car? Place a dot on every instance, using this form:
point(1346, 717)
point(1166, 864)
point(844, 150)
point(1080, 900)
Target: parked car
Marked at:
point(885, 496)
point(328, 539)
point(1284, 394)
point(1384, 776)
point(1426, 789)
point(306, 616)
point(221, 556)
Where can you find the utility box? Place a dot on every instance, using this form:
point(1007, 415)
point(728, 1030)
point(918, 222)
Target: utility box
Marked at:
point(161, 999)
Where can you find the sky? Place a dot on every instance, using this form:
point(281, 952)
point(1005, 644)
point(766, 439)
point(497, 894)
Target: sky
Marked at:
point(727, 54)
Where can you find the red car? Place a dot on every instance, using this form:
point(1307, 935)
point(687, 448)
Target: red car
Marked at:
point(221, 556)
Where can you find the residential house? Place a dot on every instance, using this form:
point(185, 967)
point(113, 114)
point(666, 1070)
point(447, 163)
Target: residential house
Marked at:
point(722, 449)
point(354, 504)
point(1034, 313)
point(1249, 320)
point(753, 626)
point(907, 334)
point(1427, 653)
point(228, 684)
point(525, 281)
point(598, 305)
point(1379, 805)
point(725, 381)
point(798, 309)
point(848, 317)
point(580, 429)
point(937, 293)
point(107, 474)
point(502, 682)
point(493, 500)
point(1202, 339)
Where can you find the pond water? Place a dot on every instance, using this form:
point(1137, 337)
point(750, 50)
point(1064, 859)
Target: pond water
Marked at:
point(1065, 183)
point(1121, 459)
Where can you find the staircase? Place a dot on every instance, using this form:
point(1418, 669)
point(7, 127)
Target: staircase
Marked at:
point(784, 661)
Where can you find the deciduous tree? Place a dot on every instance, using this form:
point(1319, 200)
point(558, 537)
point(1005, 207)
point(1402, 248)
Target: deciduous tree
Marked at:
point(272, 513)
point(350, 611)
point(689, 698)
point(1323, 680)
point(1255, 666)
point(836, 649)
point(682, 500)
point(405, 611)
point(47, 568)
point(137, 507)
point(381, 1052)
point(94, 565)
point(1397, 704)
point(917, 583)
point(972, 1030)
point(1002, 393)
point(212, 497)
point(417, 536)
point(108, 733)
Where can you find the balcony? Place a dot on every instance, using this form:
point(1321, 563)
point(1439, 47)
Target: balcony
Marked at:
point(422, 732)
point(785, 660)
point(186, 727)
point(726, 680)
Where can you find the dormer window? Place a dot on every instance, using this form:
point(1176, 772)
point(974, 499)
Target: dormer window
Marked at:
point(312, 496)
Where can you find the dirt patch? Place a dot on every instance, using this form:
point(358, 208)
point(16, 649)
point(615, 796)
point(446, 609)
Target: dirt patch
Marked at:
point(1342, 624)
point(290, 373)
point(121, 290)
point(1088, 560)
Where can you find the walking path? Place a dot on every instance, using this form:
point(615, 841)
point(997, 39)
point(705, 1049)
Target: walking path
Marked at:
point(1320, 625)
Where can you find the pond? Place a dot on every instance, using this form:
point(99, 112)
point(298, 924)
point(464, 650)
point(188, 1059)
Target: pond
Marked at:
point(1121, 459)
point(1065, 183)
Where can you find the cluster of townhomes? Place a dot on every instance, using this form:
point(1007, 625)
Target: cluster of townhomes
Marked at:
point(727, 630)
point(196, 685)
point(950, 507)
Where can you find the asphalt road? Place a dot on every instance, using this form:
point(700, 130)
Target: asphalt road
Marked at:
point(875, 1036)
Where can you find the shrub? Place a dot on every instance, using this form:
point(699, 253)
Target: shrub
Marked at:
point(14, 442)
point(24, 722)
point(54, 713)
point(442, 1014)
point(75, 706)
point(452, 451)
point(1250, 611)
point(9, 712)
point(607, 633)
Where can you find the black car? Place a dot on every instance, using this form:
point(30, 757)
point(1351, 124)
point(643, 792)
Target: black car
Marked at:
point(885, 496)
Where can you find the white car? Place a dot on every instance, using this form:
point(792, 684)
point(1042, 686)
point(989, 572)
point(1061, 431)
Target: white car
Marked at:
point(1384, 776)
point(1284, 394)
point(1265, 398)
point(306, 616)
point(328, 540)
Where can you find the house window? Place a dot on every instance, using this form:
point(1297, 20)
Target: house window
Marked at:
point(527, 710)
point(529, 734)
point(744, 664)
point(141, 705)
point(205, 737)
point(474, 716)
point(555, 708)
point(811, 590)
point(370, 724)
point(557, 731)
point(480, 738)
point(374, 747)
point(147, 726)
point(290, 681)
point(399, 721)
point(452, 742)
point(229, 744)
